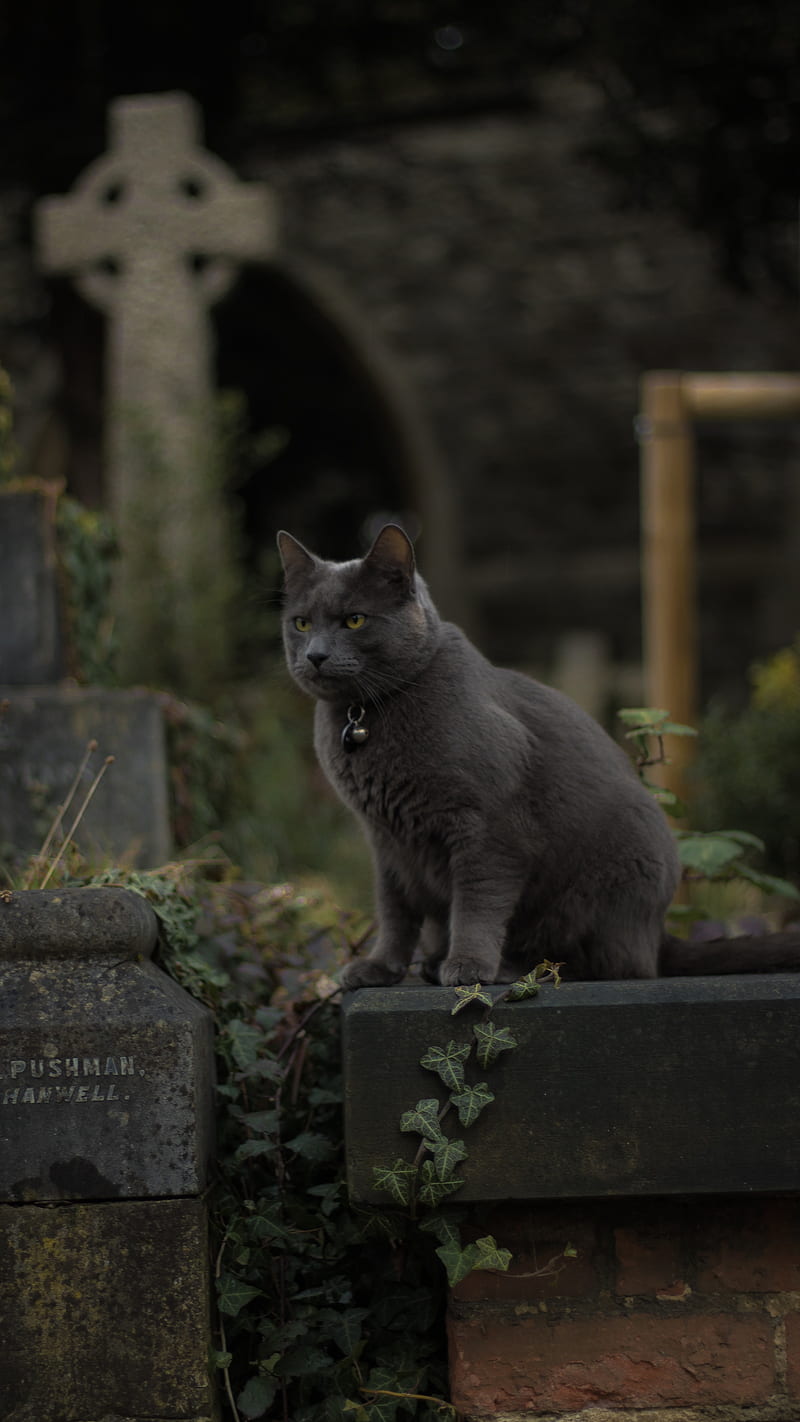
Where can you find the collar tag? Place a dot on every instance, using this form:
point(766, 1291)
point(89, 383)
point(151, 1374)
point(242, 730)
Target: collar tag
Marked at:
point(354, 734)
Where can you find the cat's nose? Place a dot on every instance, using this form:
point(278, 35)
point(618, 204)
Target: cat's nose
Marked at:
point(316, 656)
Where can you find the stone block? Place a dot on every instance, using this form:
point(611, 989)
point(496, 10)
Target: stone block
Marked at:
point(104, 1312)
point(682, 1086)
point(31, 648)
point(106, 1065)
point(43, 738)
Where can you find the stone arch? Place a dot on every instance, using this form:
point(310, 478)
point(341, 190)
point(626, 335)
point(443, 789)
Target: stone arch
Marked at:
point(358, 448)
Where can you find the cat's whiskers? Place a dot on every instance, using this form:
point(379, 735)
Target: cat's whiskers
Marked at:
point(376, 688)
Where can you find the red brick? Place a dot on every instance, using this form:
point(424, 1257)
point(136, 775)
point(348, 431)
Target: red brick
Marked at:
point(640, 1361)
point(793, 1354)
point(536, 1238)
point(648, 1262)
point(752, 1247)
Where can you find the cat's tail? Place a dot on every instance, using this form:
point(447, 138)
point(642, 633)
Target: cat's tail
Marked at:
point(767, 953)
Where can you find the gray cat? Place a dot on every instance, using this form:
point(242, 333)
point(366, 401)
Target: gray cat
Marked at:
point(506, 826)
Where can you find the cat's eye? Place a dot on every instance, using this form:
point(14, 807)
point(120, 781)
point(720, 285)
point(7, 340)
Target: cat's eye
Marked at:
point(354, 621)
point(302, 624)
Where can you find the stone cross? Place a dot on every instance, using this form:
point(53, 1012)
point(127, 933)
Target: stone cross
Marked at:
point(152, 233)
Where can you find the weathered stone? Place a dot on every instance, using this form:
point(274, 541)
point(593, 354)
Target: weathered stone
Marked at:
point(106, 1065)
point(31, 647)
point(676, 1086)
point(104, 1312)
point(152, 232)
point(43, 738)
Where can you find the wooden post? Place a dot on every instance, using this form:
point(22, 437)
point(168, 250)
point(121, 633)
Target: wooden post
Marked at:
point(747, 396)
point(668, 561)
point(671, 401)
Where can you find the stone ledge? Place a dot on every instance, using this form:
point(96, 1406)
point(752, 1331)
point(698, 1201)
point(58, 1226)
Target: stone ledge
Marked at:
point(686, 1086)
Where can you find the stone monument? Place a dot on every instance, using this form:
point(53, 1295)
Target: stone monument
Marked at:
point(106, 1110)
point(152, 233)
point(46, 723)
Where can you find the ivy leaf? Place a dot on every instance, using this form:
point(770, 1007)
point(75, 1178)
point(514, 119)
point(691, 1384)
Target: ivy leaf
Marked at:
point(345, 1327)
point(424, 1118)
point(524, 987)
point(233, 1294)
point(395, 1180)
point(446, 1155)
point(448, 1063)
point(471, 1101)
point(444, 1227)
point(489, 1255)
point(255, 1397)
point(468, 995)
point(262, 1227)
point(311, 1146)
point(458, 1262)
point(492, 1041)
point(248, 1149)
point(432, 1190)
point(358, 1410)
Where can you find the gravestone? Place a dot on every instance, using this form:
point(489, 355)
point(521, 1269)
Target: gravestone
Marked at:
point(46, 723)
point(106, 1110)
point(44, 733)
point(152, 233)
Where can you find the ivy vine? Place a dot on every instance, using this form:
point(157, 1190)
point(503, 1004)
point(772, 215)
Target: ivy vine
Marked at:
point(421, 1185)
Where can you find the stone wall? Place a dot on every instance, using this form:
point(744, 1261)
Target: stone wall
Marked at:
point(629, 1161)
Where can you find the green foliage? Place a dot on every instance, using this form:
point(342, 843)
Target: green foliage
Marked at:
point(645, 725)
point(748, 769)
point(715, 855)
point(323, 1311)
point(425, 1182)
point(86, 550)
point(203, 755)
point(282, 821)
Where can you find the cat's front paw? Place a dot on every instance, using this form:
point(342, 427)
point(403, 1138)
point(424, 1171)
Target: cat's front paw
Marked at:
point(458, 972)
point(369, 972)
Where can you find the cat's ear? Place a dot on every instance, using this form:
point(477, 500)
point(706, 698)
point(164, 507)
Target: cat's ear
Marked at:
point(392, 554)
point(296, 560)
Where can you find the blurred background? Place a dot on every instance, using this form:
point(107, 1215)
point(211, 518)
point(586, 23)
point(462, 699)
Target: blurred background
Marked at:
point(492, 221)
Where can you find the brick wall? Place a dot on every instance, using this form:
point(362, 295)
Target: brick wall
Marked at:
point(672, 1311)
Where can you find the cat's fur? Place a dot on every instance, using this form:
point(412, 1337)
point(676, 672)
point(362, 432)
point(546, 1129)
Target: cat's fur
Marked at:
point(506, 826)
